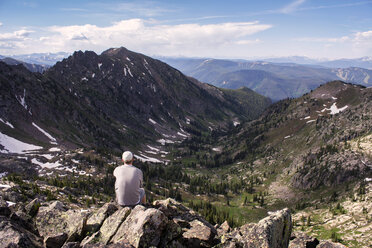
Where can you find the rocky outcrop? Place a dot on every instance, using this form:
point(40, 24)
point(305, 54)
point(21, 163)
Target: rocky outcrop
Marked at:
point(13, 234)
point(96, 220)
point(57, 224)
point(143, 227)
point(166, 223)
point(302, 240)
point(273, 231)
point(329, 244)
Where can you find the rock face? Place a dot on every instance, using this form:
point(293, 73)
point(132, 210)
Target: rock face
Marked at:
point(273, 231)
point(299, 240)
point(143, 227)
point(166, 223)
point(14, 235)
point(55, 220)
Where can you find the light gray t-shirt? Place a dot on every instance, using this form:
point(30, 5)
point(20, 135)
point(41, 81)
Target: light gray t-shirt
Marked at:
point(127, 185)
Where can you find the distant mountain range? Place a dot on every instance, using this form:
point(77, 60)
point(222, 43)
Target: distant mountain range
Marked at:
point(30, 67)
point(274, 80)
point(364, 62)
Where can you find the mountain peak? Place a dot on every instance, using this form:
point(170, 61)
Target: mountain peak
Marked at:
point(116, 51)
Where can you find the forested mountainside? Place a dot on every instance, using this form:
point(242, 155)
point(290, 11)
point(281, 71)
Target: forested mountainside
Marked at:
point(114, 100)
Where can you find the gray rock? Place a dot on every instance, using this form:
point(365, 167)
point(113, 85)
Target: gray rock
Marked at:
point(171, 233)
point(71, 245)
point(142, 228)
point(171, 208)
point(96, 220)
point(329, 244)
point(32, 208)
point(54, 219)
point(224, 228)
point(273, 231)
point(4, 209)
point(110, 226)
point(121, 244)
point(200, 235)
point(14, 235)
point(56, 240)
point(302, 240)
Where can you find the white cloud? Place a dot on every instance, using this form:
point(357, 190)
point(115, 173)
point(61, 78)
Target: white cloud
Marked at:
point(1, 24)
point(293, 6)
point(22, 34)
point(142, 36)
point(357, 44)
point(322, 39)
point(247, 42)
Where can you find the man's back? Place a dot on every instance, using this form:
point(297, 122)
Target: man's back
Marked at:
point(127, 185)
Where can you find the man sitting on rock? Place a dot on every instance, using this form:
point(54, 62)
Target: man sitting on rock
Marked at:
point(129, 182)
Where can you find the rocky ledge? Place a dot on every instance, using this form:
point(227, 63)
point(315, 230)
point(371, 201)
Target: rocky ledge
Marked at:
point(165, 223)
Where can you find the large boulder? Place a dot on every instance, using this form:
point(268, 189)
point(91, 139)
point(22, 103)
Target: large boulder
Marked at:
point(142, 228)
point(200, 235)
point(4, 209)
point(32, 207)
point(302, 240)
point(96, 220)
point(271, 232)
point(329, 244)
point(54, 219)
point(109, 227)
point(196, 231)
point(14, 235)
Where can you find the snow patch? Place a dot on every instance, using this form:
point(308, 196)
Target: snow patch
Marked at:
point(54, 149)
point(84, 79)
point(335, 110)
point(310, 121)
point(5, 186)
point(99, 66)
point(12, 145)
point(144, 158)
point(47, 156)
point(236, 123)
point(130, 73)
point(10, 203)
point(181, 134)
point(49, 165)
point(22, 99)
point(3, 174)
point(188, 120)
point(93, 75)
point(216, 149)
point(286, 137)
point(334, 98)
point(307, 117)
point(154, 148)
point(165, 141)
point(125, 71)
point(7, 123)
point(152, 121)
point(45, 133)
point(128, 59)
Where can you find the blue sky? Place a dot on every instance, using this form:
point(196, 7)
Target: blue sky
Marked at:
point(219, 29)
